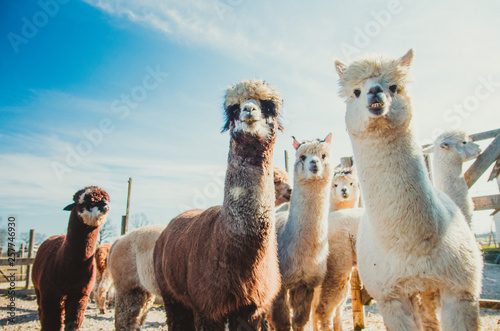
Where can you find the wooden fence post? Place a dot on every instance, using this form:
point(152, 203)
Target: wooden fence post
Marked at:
point(358, 310)
point(21, 267)
point(30, 255)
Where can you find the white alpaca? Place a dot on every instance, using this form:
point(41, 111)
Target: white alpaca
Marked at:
point(451, 149)
point(413, 238)
point(303, 235)
point(345, 189)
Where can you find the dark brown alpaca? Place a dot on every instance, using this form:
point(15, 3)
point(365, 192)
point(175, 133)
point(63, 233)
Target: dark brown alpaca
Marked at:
point(221, 263)
point(64, 267)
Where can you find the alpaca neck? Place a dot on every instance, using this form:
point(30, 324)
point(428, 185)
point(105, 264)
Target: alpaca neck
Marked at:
point(307, 224)
point(337, 204)
point(396, 189)
point(80, 241)
point(249, 190)
point(448, 177)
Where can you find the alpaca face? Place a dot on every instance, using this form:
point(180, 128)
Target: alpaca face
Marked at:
point(92, 205)
point(345, 186)
point(252, 108)
point(457, 145)
point(283, 192)
point(375, 94)
point(313, 160)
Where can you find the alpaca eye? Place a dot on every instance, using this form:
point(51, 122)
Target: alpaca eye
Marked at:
point(357, 93)
point(465, 143)
point(336, 185)
point(351, 184)
point(393, 88)
point(303, 157)
point(323, 156)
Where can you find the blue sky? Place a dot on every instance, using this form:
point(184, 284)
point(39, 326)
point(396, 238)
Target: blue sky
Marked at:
point(94, 92)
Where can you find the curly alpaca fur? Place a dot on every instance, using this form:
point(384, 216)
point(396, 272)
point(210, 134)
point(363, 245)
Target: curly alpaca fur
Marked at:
point(221, 263)
point(342, 231)
point(131, 264)
point(103, 280)
point(451, 150)
point(64, 266)
point(412, 240)
point(283, 191)
point(303, 235)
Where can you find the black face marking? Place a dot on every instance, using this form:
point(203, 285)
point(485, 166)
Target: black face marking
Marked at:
point(393, 88)
point(357, 93)
point(268, 108)
point(232, 114)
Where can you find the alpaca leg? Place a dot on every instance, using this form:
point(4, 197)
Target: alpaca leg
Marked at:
point(50, 311)
point(179, 317)
point(75, 306)
point(95, 288)
point(131, 308)
point(427, 310)
point(301, 300)
point(204, 324)
point(280, 311)
point(398, 313)
point(104, 285)
point(148, 303)
point(333, 295)
point(247, 318)
point(459, 311)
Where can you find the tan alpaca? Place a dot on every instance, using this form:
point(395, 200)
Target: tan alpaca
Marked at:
point(103, 279)
point(282, 189)
point(412, 240)
point(343, 224)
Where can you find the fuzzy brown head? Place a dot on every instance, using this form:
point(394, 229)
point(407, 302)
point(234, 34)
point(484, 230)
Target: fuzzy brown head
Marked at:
point(283, 190)
point(91, 204)
point(252, 107)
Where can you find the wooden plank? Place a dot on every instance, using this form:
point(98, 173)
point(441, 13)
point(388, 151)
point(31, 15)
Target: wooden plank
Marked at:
point(490, 304)
point(19, 261)
point(358, 310)
point(482, 162)
point(30, 256)
point(487, 202)
point(485, 135)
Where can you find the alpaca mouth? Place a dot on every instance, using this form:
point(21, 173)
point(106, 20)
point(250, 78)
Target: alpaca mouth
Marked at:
point(345, 195)
point(376, 108)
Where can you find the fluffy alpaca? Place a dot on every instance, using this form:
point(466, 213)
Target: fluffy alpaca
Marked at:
point(221, 263)
point(303, 235)
point(103, 280)
point(283, 191)
point(451, 149)
point(345, 189)
point(64, 266)
point(130, 262)
point(412, 239)
point(342, 232)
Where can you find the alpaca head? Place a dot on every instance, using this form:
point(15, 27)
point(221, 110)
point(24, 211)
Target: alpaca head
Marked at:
point(92, 205)
point(283, 190)
point(312, 160)
point(375, 93)
point(345, 186)
point(252, 108)
point(456, 145)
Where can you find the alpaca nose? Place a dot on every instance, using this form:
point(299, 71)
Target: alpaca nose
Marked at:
point(250, 107)
point(375, 89)
point(344, 190)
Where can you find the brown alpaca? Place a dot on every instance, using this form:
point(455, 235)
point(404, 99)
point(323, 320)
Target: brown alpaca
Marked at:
point(283, 190)
point(103, 280)
point(221, 263)
point(63, 271)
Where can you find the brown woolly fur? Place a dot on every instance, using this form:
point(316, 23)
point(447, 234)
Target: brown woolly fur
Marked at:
point(64, 267)
point(131, 264)
point(282, 189)
point(388, 69)
point(103, 280)
point(220, 264)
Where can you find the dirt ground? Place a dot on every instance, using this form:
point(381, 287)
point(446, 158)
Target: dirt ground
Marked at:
point(27, 319)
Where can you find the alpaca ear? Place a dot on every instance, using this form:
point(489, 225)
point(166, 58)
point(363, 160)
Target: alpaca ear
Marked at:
point(296, 144)
point(340, 67)
point(406, 60)
point(428, 149)
point(328, 138)
point(70, 206)
point(445, 144)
